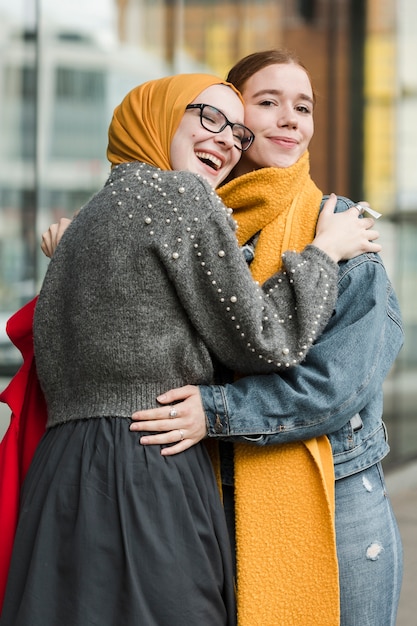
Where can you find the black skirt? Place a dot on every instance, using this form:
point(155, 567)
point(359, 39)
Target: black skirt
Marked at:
point(111, 533)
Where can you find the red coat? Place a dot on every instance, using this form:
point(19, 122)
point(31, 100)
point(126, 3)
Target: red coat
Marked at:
point(27, 425)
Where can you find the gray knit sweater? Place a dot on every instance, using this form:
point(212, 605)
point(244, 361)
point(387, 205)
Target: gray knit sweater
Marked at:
point(148, 283)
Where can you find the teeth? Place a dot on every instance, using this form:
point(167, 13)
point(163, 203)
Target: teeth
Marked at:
point(211, 158)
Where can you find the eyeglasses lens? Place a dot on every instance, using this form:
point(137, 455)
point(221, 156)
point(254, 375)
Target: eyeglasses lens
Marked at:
point(215, 121)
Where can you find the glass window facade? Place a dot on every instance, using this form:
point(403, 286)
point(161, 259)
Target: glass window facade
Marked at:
point(65, 65)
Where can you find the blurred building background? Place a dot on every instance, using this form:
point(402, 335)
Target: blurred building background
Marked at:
point(65, 65)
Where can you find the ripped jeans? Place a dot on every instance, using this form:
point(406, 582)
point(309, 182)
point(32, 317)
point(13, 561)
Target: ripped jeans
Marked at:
point(369, 550)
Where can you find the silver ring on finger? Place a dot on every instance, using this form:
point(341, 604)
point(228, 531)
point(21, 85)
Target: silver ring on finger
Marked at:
point(181, 434)
point(173, 413)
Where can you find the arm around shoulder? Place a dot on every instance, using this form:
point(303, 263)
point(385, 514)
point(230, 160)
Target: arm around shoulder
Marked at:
point(342, 372)
point(249, 328)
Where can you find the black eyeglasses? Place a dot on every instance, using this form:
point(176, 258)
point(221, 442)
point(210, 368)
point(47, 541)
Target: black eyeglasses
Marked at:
point(215, 121)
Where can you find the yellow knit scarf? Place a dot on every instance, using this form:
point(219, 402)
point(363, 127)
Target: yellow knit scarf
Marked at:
point(287, 572)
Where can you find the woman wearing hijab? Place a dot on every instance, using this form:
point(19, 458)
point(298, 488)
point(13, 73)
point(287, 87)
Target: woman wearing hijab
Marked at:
point(147, 283)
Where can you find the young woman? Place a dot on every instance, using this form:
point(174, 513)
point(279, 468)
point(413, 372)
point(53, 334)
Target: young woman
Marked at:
point(336, 391)
point(146, 285)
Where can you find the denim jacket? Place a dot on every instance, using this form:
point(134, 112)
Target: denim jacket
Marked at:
point(336, 390)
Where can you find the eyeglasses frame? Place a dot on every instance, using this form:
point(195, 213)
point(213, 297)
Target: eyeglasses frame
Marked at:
point(226, 123)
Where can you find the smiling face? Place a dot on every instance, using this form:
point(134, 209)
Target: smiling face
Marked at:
point(279, 110)
point(212, 155)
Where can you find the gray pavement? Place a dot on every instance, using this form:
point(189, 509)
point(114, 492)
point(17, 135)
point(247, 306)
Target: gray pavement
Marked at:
point(402, 487)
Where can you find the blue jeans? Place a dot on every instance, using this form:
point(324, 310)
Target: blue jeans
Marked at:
point(369, 550)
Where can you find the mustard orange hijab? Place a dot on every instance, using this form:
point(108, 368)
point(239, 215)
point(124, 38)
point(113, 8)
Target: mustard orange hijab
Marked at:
point(145, 122)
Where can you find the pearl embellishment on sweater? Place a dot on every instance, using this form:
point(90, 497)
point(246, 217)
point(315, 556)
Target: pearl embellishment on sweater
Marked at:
point(181, 235)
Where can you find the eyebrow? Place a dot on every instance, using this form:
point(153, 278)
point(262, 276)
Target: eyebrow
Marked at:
point(278, 92)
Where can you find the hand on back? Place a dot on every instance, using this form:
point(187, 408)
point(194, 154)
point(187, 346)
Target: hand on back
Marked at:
point(52, 236)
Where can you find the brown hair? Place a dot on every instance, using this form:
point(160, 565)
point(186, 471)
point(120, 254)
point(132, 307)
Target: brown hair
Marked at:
point(252, 63)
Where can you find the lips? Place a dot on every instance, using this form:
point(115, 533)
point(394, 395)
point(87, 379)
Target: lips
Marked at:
point(210, 160)
point(284, 141)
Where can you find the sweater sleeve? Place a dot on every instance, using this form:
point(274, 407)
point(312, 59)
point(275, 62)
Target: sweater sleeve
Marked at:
point(338, 378)
point(249, 328)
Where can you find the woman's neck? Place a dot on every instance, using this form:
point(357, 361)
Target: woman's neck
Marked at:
point(242, 167)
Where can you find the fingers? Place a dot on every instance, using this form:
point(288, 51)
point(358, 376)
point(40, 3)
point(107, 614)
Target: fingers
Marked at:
point(48, 240)
point(161, 413)
point(191, 418)
point(343, 235)
point(357, 210)
point(179, 426)
point(175, 449)
point(158, 425)
point(174, 395)
point(366, 222)
point(173, 436)
point(375, 247)
point(178, 396)
point(372, 235)
point(370, 246)
point(175, 441)
point(364, 207)
point(52, 236)
point(330, 204)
